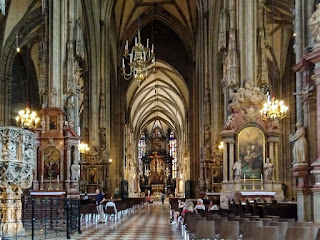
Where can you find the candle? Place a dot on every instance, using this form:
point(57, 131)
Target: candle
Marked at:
point(135, 41)
point(261, 179)
point(41, 178)
point(123, 63)
point(147, 42)
point(58, 179)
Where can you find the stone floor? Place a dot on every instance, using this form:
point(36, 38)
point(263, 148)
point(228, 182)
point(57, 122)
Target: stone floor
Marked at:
point(148, 222)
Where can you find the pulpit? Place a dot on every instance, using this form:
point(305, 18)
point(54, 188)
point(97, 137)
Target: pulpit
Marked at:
point(57, 154)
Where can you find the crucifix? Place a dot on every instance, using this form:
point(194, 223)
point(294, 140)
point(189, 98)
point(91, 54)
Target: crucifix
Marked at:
point(253, 178)
point(50, 179)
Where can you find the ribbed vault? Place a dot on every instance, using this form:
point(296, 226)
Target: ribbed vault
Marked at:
point(161, 98)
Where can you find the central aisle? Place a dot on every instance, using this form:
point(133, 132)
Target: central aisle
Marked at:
point(149, 222)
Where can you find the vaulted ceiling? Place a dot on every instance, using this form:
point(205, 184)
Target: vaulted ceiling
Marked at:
point(129, 13)
point(162, 97)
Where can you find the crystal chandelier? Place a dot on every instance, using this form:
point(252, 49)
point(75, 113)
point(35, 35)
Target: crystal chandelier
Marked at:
point(139, 58)
point(83, 148)
point(27, 119)
point(273, 109)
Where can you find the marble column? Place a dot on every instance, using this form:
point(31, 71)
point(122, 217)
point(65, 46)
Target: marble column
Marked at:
point(231, 154)
point(225, 161)
point(276, 161)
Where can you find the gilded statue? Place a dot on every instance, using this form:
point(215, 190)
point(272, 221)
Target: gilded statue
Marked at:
point(300, 144)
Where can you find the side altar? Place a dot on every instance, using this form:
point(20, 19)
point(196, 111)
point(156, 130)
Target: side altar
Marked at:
point(251, 148)
point(57, 166)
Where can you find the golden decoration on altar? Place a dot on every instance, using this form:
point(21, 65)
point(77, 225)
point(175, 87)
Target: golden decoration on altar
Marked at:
point(27, 119)
point(221, 146)
point(273, 109)
point(83, 148)
point(139, 58)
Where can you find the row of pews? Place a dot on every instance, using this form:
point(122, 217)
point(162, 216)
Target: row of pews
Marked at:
point(88, 210)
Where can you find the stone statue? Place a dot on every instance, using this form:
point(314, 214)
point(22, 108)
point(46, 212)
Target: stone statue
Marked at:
point(53, 96)
point(314, 23)
point(237, 169)
point(70, 110)
point(75, 167)
point(305, 93)
point(230, 122)
point(300, 144)
point(268, 170)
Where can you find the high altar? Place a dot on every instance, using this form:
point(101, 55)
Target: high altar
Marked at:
point(251, 150)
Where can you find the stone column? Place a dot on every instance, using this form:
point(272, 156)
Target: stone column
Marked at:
point(315, 57)
point(276, 161)
point(301, 172)
point(299, 54)
point(68, 148)
point(225, 161)
point(231, 154)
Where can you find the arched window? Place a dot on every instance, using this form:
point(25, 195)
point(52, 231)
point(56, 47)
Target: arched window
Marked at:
point(173, 153)
point(142, 146)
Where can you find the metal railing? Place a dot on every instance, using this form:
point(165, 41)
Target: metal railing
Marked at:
point(41, 218)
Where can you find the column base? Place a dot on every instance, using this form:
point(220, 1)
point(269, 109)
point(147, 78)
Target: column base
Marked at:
point(301, 172)
point(13, 229)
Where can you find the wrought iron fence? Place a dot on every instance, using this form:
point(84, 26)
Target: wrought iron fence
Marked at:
point(39, 218)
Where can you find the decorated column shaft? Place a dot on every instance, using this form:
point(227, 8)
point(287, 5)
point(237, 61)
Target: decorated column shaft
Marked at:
point(17, 162)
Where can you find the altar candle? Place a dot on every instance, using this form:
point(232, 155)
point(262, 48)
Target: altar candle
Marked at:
point(41, 178)
point(261, 179)
point(244, 178)
point(58, 179)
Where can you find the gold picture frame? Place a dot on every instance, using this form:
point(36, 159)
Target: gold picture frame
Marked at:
point(251, 151)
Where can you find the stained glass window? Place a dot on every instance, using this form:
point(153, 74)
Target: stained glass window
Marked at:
point(173, 153)
point(142, 146)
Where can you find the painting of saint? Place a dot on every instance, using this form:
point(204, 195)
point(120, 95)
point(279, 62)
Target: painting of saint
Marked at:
point(51, 162)
point(251, 151)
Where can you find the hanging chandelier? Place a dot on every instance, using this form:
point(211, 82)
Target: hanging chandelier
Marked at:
point(83, 148)
point(27, 119)
point(139, 58)
point(273, 109)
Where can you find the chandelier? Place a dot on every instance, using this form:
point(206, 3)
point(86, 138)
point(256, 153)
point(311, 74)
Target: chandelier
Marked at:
point(27, 119)
point(139, 58)
point(83, 148)
point(273, 109)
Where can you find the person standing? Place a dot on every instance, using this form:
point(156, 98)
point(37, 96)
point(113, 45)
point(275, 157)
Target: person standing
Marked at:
point(162, 198)
point(99, 200)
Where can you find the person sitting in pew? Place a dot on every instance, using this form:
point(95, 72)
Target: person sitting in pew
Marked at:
point(199, 206)
point(213, 206)
point(188, 208)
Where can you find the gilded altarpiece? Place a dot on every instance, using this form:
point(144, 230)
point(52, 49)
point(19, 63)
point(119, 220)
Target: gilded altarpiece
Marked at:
point(249, 142)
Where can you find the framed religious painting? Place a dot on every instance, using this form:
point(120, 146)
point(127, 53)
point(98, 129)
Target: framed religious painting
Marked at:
point(52, 158)
point(251, 151)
